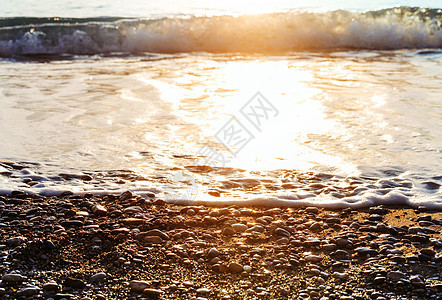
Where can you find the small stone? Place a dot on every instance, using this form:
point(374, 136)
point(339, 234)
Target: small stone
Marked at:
point(132, 221)
point(329, 247)
point(313, 258)
point(375, 217)
point(138, 285)
point(152, 292)
point(339, 275)
point(315, 227)
point(239, 227)
point(71, 223)
point(366, 251)
point(154, 239)
point(282, 232)
point(417, 281)
point(428, 252)
point(64, 296)
point(28, 291)
point(312, 210)
point(228, 230)
point(126, 196)
point(379, 280)
point(99, 210)
point(425, 223)
point(282, 241)
point(424, 218)
point(156, 232)
point(416, 230)
point(74, 283)
point(191, 212)
point(51, 286)
point(379, 210)
point(13, 278)
point(213, 253)
point(16, 241)
point(99, 277)
point(235, 267)
point(203, 291)
point(396, 275)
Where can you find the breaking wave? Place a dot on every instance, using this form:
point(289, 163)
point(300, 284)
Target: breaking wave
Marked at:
point(388, 29)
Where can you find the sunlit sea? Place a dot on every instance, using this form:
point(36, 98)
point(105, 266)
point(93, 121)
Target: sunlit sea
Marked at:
point(277, 103)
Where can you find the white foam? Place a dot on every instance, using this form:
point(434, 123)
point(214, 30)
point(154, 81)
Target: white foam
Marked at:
point(367, 200)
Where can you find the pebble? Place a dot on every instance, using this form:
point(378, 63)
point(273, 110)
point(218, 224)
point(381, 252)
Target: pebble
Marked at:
point(138, 285)
point(316, 226)
point(156, 232)
point(339, 275)
point(132, 221)
point(235, 267)
point(203, 291)
point(366, 251)
point(28, 291)
point(313, 258)
point(428, 252)
point(239, 227)
point(282, 232)
point(312, 210)
point(99, 210)
point(99, 277)
point(396, 275)
point(51, 286)
point(16, 241)
point(416, 280)
point(213, 252)
point(154, 239)
point(152, 292)
point(13, 278)
point(74, 283)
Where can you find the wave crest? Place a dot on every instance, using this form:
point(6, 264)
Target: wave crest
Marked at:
point(389, 29)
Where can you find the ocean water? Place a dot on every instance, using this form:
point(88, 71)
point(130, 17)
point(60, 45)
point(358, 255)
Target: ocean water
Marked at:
point(334, 104)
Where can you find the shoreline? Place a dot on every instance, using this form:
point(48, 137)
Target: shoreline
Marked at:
point(127, 247)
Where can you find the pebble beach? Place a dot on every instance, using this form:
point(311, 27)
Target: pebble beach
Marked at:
point(127, 247)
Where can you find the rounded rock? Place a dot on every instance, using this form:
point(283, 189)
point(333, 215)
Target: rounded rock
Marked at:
point(235, 267)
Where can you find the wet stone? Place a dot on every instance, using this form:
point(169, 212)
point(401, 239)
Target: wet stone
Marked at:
point(13, 278)
point(152, 292)
point(312, 210)
point(132, 221)
point(156, 232)
point(396, 275)
point(138, 285)
point(99, 210)
point(74, 283)
point(235, 267)
point(28, 291)
point(213, 252)
point(239, 227)
point(99, 277)
point(50, 286)
point(282, 232)
point(16, 241)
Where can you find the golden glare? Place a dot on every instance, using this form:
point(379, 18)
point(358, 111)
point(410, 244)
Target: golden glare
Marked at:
point(210, 96)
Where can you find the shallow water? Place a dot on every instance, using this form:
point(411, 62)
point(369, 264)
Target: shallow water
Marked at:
point(339, 127)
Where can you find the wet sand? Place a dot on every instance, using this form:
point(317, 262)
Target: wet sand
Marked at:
point(126, 247)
